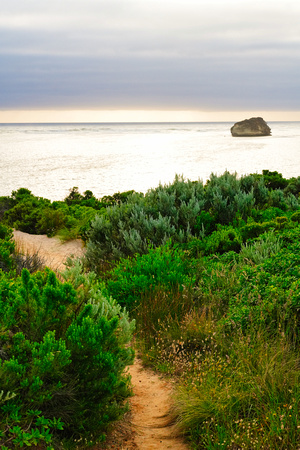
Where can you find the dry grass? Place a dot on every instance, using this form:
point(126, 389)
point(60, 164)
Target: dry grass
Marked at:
point(27, 257)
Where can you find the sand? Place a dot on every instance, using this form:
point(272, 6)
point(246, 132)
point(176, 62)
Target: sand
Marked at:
point(52, 250)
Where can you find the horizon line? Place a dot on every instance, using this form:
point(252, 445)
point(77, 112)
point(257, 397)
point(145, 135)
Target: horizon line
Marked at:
point(133, 122)
point(141, 116)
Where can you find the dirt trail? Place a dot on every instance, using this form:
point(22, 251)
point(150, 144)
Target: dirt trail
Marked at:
point(148, 426)
point(150, 411)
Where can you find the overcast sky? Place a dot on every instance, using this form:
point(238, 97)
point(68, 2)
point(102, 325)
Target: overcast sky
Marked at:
point(213, 55)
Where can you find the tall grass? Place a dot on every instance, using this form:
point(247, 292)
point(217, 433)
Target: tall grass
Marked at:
point(245, 398)
point(158, 309)
point(30, 259)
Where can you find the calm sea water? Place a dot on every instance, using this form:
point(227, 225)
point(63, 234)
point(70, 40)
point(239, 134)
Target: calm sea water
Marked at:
point(49, 159)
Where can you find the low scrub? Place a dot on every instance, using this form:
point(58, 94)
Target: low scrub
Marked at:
point(164, 267)
point(63, 355)
point(211, 275)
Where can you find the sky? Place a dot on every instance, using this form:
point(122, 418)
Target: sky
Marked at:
point(149, 60)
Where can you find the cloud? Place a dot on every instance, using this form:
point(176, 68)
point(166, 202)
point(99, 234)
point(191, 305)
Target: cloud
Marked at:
point(173, 54)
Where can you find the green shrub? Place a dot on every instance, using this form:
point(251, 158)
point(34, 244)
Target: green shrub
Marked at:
point(90, 290)
point(293, 187)
point(205, 223)
point(62, 356)
point(5, 204)
point(281, 222)
point(36, 215)
point(51, 221)
point(74, 197)
point(253, 230)
point(223, 240)
point(26, 211)
point(274, 180)
point(296, 217)
point(117, 198)
point(266, 214)
point(24, 216)
point(255, 183)
point(164, 266)
point(7, 247)
point(277, 199)
point(292, 202)
point(268, 293)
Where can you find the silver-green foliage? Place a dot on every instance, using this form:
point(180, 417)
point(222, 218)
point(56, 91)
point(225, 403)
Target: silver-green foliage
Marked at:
point(227, 195)
point(178, 211)
point(292, 202)
point(168, 211)
point(265, 246)
point(102, 305)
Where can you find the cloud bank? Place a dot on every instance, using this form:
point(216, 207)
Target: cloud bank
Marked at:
point(174, 54)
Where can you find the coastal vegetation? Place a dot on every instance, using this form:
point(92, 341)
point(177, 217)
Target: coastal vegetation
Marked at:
point(63, 354)
point(209, 274)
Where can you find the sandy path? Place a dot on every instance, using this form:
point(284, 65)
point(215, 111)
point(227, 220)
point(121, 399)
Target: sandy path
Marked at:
point(148, 426)
point(53, 251)
point(150, 411)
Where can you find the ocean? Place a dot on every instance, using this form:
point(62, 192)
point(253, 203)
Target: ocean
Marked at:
point(50, 159)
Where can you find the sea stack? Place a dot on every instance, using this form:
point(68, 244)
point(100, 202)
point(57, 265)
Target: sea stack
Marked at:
point(256, 126)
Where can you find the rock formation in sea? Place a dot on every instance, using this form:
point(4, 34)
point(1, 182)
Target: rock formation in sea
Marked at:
point(256, 126)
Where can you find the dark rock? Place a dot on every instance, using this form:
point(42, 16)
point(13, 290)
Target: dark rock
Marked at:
point(256, 126)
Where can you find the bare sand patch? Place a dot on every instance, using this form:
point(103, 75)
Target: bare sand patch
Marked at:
point(53, 251)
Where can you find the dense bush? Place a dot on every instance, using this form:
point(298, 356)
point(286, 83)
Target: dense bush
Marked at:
point(293, 186)
point(226, 196)
point(179, 210)
point(26, 214)
point(166, 212)
point(184, 210)
point(224, 239)
point(7, 247)
point(274, 180)
point(164, 267)
point(62, 360)
point(6, 203)
point(231, 337)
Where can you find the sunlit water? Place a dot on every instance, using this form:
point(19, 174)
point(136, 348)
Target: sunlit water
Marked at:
point(107, 158)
